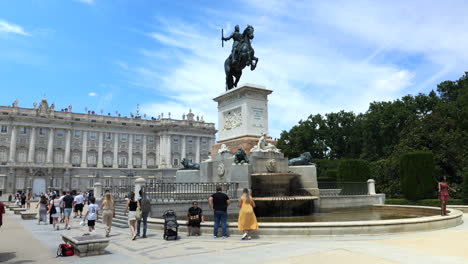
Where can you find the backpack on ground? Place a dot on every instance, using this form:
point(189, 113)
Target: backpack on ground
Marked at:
point(170, 225)
point(65, 250)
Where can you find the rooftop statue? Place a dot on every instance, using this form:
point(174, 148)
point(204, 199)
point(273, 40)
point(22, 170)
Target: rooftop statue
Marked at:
point(242, 54)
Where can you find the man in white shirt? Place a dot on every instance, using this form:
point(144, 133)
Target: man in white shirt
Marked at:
point(78, 204)
point(92, 214)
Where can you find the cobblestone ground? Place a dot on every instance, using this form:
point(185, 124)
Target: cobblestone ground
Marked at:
point(23, 241)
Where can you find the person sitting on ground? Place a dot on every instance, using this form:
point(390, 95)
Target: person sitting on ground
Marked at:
point(194, 218)
point(92, 214)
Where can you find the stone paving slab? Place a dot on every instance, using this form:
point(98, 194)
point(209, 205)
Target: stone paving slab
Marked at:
point(434, 247)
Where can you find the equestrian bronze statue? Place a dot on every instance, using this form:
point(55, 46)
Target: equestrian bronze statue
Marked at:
point(242, 54)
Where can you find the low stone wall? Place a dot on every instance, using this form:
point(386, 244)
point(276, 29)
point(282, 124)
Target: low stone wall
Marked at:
point(28, 215)
point(349, 201)
point(87, 245)
point(181, 207)
point(424, 223)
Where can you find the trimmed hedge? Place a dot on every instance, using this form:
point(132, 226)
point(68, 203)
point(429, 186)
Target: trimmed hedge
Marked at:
point(354, 170)
point(465, 187)
point(418, 175)
point(324, 165)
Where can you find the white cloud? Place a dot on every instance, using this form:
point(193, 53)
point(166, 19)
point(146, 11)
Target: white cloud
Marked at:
point(92, 94)
point(317, 58)
point(89, 2)
point(12, 28)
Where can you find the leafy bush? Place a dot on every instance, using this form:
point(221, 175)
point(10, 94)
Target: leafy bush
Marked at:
point(354, 170)
point(387, 177)
point(417, 175)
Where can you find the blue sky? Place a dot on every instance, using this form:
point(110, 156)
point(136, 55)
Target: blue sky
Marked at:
point(166, 56)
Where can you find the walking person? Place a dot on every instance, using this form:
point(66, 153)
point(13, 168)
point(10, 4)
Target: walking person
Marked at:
point(131, 208)
point(194, 218)
point(108, 212)
point(444, 194)
point(67, 204)
point(2, 212)
point(42, 204)
point(79, 204)
point(23, 200)
point(219, 203)
point(92, 214)
point(145, 211)
point(28, 201)
point(54, 210)
point(247, 220)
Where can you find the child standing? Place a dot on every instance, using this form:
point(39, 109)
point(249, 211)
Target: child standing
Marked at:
point(92, 215)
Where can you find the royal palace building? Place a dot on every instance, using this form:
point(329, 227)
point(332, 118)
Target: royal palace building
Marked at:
point(42, 149)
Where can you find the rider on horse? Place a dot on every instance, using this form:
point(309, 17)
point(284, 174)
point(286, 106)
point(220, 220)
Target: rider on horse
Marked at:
point(237, 38)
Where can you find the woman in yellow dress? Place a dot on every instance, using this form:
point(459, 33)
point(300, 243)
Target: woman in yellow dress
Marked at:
point(247, 220)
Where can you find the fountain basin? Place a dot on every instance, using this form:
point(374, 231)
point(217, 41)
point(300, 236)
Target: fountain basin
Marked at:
point(429, 220)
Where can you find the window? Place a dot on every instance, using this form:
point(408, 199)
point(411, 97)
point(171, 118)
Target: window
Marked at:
point(107, 182)
point(190, 140)
point(42, 131)
point(23, 130)
point(137, 138)
point(92, 135)
point(176, 162)
point(91, 182)
point(59, 133)
point(123, 137)
point(176, 140)
point(4, 129)
point(77, 133)
point(151, 139)
point(108, 136)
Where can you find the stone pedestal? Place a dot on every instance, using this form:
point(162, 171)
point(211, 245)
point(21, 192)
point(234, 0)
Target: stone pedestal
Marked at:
point(371, 187)
point(97, 191)
point(139, 184)
point(187, 176)
point(308, 178)
point(242, 113)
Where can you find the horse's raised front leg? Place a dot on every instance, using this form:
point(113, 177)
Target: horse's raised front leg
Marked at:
point(254, 63)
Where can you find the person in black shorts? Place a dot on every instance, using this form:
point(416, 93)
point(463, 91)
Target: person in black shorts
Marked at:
point(194, 218)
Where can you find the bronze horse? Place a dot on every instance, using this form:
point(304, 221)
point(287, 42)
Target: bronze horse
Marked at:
point(245, 57)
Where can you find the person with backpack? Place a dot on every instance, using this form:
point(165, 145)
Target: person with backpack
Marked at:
point(145, 211)
point(92, 214)
point(131, 208)
point(54, 210)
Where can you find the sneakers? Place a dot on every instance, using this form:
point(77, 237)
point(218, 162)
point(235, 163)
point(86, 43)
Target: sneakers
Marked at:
point(215, 237)
point(224, 237)
point(248, 238)
point(244, 236)
point(68, 228)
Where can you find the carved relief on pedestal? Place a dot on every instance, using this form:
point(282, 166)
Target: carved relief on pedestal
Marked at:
point(221, 170)
point(232, 119)
point(271, 165)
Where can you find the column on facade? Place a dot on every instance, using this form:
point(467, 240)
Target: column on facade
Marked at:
point(158, 151)
point(130, 151)
point(84, 150)
point(115, 163)
point(50, 147)
point(143, 160)
point(100, 148)
point(14, 131)
point(67, 147)
point(197, 149)
point(32, 145)
point(169, 150)
point(183, 151)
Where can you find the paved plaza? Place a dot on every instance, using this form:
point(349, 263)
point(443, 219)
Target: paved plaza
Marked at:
point(23, 241)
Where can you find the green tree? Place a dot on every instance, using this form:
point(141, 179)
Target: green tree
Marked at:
point(417, 175)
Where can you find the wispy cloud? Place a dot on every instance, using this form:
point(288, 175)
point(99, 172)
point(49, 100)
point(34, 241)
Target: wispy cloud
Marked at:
point(7, 27)
point(92, 94)
point(89, 2)
point(317, 58)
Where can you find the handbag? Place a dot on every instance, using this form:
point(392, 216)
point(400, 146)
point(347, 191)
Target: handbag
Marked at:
point(138, 214)
point(53, 210)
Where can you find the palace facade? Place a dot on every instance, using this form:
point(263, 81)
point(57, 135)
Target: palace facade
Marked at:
point(43, 149)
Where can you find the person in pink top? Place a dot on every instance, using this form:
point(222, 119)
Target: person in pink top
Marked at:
point(444, 194)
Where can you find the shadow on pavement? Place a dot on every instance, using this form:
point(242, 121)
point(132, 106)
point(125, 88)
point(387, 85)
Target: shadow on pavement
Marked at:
point(8, 256)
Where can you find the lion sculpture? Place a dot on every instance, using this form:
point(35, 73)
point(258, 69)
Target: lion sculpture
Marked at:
point(303, 159)
point(188, 165)
point(240, 157)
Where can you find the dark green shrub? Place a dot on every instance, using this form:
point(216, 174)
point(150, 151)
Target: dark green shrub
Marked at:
point(465, 187)
point(417, 175)
point(332, 174)
point(324, 165)
point(354, 170)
